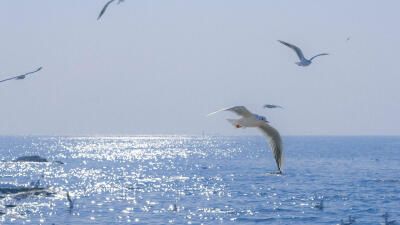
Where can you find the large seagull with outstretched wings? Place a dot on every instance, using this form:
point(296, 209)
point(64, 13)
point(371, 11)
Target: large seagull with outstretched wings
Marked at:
point(303, 60)
point(253, 120)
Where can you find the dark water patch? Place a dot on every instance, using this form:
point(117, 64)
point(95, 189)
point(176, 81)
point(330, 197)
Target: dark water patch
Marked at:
point(255, 220)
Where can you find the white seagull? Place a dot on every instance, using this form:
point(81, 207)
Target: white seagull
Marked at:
point(253, 120)
point(270, 106)
point(106, 6)
point(20, 77)
point(303, 60)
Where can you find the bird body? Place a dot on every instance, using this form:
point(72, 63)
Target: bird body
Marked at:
point(269, 106)
point(253, 120)
point(246, 122)
point(303, 61)
point(319, 205)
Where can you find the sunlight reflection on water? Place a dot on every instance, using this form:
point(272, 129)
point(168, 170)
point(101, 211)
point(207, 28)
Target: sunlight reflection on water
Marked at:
point(185, 179)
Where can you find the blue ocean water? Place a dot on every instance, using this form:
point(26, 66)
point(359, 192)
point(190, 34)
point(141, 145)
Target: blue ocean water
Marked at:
point(199, 180)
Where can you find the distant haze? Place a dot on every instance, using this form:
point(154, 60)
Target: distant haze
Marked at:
point(158, 67)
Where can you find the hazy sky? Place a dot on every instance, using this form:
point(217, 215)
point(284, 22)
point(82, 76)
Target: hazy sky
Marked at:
point(159, 66)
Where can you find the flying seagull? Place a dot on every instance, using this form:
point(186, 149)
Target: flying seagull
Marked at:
point(20, 77)
point(71, 202)
point(303, 60)
point(272, 106)
point(253, 120)
point(106, 6)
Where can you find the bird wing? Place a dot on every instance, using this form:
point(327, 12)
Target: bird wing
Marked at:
point(240, 110)
point(295, 48)
point(21, 75)
point(105, 8)
point(8, 79)
point(69, 197)
point(318, 55)
point(38, 69)
point(275, 142)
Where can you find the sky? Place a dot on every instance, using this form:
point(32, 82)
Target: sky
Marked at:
point(160, 66)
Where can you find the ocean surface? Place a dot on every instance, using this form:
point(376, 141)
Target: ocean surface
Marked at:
point(199, 180)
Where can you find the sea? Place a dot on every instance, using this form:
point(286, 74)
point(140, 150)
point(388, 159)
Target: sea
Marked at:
point(199, 180)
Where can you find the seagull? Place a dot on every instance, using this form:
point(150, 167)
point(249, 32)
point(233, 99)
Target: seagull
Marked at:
point(319, 205)
point(351, 221)
point(173, 208)
point(303, 60)
point(272, 106)
point(253, 120)
point(71, 202)
point(387, 222)
point(106, 6)
point(20, 77)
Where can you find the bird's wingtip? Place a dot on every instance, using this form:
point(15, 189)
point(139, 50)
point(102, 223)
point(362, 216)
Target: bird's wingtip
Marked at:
point(210, 114)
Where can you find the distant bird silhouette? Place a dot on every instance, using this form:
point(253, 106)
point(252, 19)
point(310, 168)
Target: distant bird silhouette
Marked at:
point(272, 106)
point(349, 222)
point(10, 205)
point(352, 219)
point(173, 208)
point(303, 60)
point(71, 202)
point(35, 184)
point(319, 205)
point(253, 120)
point(387, 222)
point(20, 77)
point(106, 6)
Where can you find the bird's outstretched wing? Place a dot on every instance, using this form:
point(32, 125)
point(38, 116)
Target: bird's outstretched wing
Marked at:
point(240, 110)
point(295, 48)
point(275, 142)
point(69, 198)
point(104, 8)
point(318, 55)
point(7, 79)
point(269, 106)
point(22, 75)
